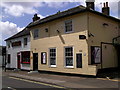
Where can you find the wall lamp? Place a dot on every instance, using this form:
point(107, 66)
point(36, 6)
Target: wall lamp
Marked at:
point(58, 31)
point(90, 34)
point(105, 24)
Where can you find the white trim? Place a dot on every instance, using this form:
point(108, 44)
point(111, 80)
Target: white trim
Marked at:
point(49, 57)
point(65, 59)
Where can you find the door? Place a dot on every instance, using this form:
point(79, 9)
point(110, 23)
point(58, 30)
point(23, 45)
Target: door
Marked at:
point(35, 61)
point(79, 60)
point(18, 61)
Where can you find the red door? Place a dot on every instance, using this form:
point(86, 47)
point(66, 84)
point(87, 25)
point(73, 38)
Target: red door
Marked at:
point(18, 60)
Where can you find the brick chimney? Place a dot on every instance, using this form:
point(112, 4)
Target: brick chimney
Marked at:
point(35, 17)
point(106, 9)
point(90, 4)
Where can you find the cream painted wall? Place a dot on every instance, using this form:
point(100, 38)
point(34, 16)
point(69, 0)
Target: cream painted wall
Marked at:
point(81, 26)
point(52, 39)
point(103, 34)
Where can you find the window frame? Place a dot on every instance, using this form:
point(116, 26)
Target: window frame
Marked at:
point(45, 58)
point(65, 26)
point(93, 58)
point(34, 33)
point(65, 57)
point(23, 57)
point(55, 58)
point(25, 44)
point(9, 58)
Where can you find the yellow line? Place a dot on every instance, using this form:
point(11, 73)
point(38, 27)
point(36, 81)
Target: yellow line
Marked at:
point(37, 82)
point(109, 79)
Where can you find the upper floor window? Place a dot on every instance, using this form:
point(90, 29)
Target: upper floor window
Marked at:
point(68, 26)
point(8, 44)
point(36, 33)
point(25, 41)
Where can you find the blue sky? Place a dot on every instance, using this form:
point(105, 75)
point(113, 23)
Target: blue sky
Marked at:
point(16, 15)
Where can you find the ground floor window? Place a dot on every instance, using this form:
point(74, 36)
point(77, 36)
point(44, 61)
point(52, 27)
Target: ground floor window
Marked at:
point(9, 58)
point(95, 55)
point(69, 56)
point(25, 57)
point(52, 57)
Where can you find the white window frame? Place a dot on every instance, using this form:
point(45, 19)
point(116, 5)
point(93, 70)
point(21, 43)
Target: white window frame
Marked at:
point(55, 60)
point(65, 57)
point(65, 26)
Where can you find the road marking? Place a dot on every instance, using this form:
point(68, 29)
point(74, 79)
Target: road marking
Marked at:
point(11, 88)
point(55, 86)
point(109, 79)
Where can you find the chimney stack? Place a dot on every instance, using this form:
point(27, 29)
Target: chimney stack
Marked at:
point(90, 4)
point(106, 9)
point(35, 17)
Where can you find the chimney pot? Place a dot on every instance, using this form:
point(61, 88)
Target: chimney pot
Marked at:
point(106, 4)
point(35, 17)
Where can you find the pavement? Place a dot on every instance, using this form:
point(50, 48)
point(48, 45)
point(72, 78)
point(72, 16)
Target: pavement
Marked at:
point(65, 80)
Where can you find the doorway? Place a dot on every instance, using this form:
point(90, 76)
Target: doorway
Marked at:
point(118, 54)
point(18, 60)
point(79, 60)
point(35, 61)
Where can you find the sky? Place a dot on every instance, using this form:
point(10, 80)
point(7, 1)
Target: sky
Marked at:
point(15, 15)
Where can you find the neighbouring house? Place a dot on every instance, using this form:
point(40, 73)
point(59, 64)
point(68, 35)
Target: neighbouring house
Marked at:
point(18, 51)
point(79, 40)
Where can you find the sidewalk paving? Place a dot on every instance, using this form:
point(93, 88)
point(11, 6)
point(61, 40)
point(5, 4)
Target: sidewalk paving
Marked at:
point(64, 80)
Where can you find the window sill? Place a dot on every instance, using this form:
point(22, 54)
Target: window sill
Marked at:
point(53, 66)
point(69, 66)
point(69, 32)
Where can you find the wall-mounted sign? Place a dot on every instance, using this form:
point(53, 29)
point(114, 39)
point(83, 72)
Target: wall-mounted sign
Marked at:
point(43, 57)
point(82, 37)
point(17, 43)
point(95, 55)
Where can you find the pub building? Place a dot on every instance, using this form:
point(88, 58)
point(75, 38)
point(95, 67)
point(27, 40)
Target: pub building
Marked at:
point(79, 40)
point(18, 51)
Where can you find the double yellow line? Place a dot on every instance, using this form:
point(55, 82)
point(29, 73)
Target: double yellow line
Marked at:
point(55, 86)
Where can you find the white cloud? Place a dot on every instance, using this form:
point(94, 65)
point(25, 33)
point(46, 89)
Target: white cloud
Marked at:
point(19, 9)
point(8, 29)
point(41, 16)
point(56, 4)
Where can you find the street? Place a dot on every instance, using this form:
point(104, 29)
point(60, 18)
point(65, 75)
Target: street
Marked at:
point(12, 83)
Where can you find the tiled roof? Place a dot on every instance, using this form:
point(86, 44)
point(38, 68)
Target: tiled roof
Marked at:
point(24, 32)
point(68, 12)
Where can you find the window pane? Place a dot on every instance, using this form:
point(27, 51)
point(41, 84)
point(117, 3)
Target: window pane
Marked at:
point(68, 26)
point(52, 56)
point(69, 56)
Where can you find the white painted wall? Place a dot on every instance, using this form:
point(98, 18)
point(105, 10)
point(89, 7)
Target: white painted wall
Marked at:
point(14, 50)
